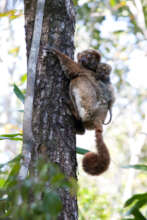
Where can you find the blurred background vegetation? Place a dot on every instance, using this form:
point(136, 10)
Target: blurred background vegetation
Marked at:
point(118, 30)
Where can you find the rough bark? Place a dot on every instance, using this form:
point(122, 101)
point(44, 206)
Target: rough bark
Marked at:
point(52, 124)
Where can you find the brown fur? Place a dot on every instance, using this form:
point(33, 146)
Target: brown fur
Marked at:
point(90, 100)
point(97, 163)
point(89, 59)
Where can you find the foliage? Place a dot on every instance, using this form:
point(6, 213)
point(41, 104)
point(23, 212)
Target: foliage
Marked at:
point(31, 198)
point(92, 205)
point(12, 14)
point(13, 137)
point(137, 202)
point(137, 167)
point(18, 93)
point(36, 197)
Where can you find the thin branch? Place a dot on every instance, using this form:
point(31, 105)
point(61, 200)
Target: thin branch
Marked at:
point(28, 138)
point(137, 10)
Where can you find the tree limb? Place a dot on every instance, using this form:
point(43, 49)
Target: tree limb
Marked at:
point(28, 137)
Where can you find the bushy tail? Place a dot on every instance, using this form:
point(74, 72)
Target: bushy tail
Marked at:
point(95, 164)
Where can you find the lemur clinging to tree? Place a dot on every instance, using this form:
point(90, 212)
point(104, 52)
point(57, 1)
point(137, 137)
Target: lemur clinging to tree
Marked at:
point(91, 99)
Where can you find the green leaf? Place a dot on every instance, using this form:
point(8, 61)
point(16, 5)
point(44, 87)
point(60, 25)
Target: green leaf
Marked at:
point(15, 159)
point(13, 137)
point(2, 182)
point(81, 150)
point(8, 13)
point(23, 78)
point(14, 51)
point(75, 2)
point(20, 110)
point(112, 3)
point(142, 196)
point(52, 203)
point(137, 167)
point(9, 138)
point(11, 180)
point(19, 93)
point(135, 210)
point(138, 215)
point(118, 32)
point(128, 219)
point(12, 14)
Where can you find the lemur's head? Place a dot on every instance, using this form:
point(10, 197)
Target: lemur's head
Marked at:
point(89, 59)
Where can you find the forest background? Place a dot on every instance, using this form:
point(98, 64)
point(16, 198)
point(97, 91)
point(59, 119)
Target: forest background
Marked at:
point(118, 30)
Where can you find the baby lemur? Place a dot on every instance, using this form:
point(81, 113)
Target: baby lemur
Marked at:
point(90, 96)
point(90, 59)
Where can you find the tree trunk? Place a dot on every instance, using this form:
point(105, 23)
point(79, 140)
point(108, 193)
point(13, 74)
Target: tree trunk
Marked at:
point(52, 122)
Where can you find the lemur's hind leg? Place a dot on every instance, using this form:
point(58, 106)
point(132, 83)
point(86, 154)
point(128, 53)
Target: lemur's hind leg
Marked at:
point(77, 121)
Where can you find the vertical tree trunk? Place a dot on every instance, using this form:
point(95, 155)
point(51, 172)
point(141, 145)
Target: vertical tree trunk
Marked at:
point(52, 123)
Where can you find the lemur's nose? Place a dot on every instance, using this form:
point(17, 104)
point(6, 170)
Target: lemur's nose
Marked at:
point(83, 60)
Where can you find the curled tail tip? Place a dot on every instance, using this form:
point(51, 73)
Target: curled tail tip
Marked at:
point(94, 165)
